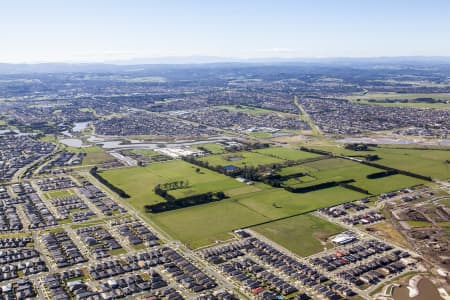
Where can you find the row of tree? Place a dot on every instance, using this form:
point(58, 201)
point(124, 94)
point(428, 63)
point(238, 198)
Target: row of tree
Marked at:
point(185, 202)
point(115, 189)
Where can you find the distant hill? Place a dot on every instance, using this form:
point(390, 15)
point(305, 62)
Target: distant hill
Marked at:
point(210, 61)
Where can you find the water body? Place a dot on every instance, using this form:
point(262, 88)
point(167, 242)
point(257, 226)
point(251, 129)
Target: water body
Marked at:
point(77, 143)
point(427, 291)
point(80, 126)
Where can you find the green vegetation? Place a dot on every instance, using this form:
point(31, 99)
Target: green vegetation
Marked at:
point(48, 138)
point(94, 155)
point(248, 205)
point(388, 184)
point(286, 153)
point(241, 159)
point(145, 152)
point(202, 225)
point(139, 182)
point(260, 134)
point(212, 147)
point(117, 251)
point(58, 194)
point(278, 203)
point(418, 223)
point(304, 235)
point(337, 169)
point(425, 162)
point(396, 99)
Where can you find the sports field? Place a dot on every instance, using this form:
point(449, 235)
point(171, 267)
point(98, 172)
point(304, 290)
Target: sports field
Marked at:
point(303, 235)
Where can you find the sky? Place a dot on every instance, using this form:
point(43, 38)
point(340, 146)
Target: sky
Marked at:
point(111, 30)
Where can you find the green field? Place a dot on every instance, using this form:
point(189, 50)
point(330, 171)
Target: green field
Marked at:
point(212, 147)
point(139, 182)
point(241, 159)
point(248, 204)
point(418, 223)
point(425, 162)
point(400, 96)
point(336, 169)
point(58, 194)
point(304, 235)
point(145, 152)
point(286, 153)
point(388, 184)
point(201, 225)
point(261, 134)
point(278, 203)
point(94, 155)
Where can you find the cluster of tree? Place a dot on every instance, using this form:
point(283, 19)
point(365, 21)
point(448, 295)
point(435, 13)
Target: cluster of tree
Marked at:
point(372, 157)
point(115, 189)
point(359, 147)
point(174, 185)
point(162, 189)
point(316, 151)
point(185, 202)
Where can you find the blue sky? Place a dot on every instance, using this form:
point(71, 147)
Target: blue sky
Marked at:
point(102, 30)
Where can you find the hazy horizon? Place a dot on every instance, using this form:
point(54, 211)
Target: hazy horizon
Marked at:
point(112, 31)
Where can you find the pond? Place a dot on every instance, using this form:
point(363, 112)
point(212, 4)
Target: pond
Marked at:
point(80, 126)
point(76, 143)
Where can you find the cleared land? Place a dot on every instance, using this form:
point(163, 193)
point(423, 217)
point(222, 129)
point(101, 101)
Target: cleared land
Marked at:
point(303, 235)
point(386, 230)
